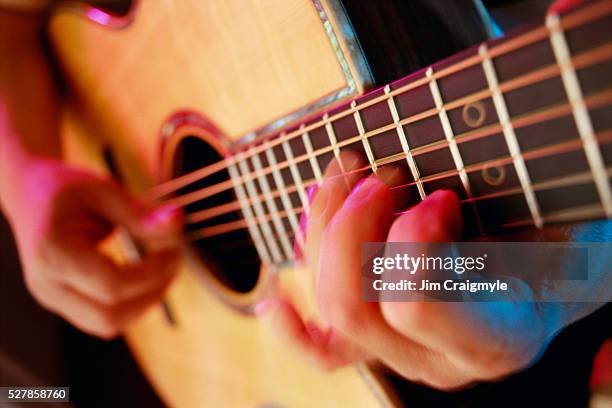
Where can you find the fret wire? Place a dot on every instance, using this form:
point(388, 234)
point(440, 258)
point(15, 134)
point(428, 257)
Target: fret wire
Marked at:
point(259, 211)
point(297, 178)
point(452, 144)
point(276, 220)
point(314, 164)
point(581, 115)
point(404, 142)
point(510, 137)
point(284, 196)
point(247, 213)
point(448, 131)
point(364, 140)
point(332, 140)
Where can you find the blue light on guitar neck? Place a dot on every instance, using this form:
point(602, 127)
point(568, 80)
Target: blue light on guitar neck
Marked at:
point(493, 29)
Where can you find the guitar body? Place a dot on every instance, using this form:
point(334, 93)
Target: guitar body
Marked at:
point(126, 78)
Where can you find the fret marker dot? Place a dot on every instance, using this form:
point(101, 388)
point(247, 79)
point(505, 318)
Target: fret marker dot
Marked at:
point(494, 175)
point(474, 114)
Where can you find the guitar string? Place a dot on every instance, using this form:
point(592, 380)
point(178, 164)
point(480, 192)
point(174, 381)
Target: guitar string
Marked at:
point(568, 146)
point(575, 19)
point(578, 178)
point(584, 60)
point(549, 113)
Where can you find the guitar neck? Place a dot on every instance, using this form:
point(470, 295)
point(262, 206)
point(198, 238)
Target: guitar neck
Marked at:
point(520, 128)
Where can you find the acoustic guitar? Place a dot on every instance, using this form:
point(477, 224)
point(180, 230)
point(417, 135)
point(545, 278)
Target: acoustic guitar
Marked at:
point(232, 110)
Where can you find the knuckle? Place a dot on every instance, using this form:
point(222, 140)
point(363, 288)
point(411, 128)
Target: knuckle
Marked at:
point(442, 379)
point(106, 326)
point(35, 284)
point(405, 316)
point(497, 361)
point(108, 294)
point(342, 315)
point(32, 280)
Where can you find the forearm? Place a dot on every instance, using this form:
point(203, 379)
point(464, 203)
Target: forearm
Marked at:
point(28, 103)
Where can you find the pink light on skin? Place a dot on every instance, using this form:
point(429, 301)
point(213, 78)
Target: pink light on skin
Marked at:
point(98, 16)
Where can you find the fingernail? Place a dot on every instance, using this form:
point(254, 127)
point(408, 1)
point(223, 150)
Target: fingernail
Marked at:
point(162, 215)
point(263, 306)
point(443, 195)
point(323, 198)
point(310, 193)
point(388, 175)
point(298, 255)
point(365, 187)
point(300, 238)
point(350, 162)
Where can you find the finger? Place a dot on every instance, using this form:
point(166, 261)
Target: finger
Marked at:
point(321, 347)
point(436, 219)
point(448, 327)
point(338, 180)
point(97, 276)
point(300, 234)
point(90, 315)
point(338, 283)
point(338, 286)
point(141, 220)
point(366, 217)
point(329, 198)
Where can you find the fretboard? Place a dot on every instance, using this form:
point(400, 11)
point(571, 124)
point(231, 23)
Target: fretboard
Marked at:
point(520, 128)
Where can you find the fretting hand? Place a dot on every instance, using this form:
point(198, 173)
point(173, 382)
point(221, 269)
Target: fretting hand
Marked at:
point(444, 345)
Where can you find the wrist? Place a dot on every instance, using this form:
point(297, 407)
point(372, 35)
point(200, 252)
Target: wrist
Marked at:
point(18, 179)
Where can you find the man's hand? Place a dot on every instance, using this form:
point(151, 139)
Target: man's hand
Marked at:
point(60, 216)
point(444, 345)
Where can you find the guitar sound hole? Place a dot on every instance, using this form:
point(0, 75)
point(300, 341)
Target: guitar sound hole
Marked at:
point(230, 256)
